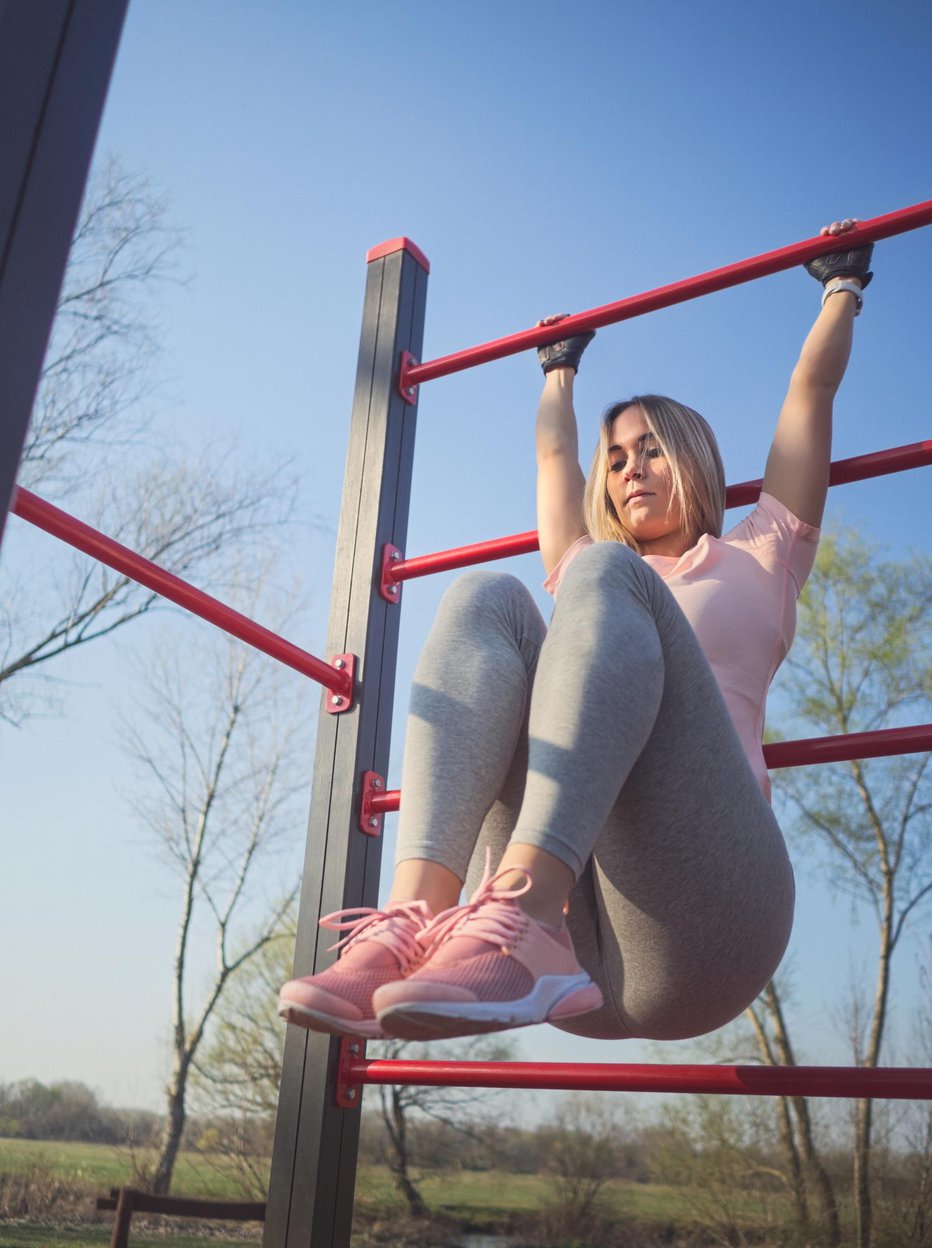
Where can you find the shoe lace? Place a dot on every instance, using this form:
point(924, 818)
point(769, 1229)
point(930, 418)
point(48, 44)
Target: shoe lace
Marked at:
point(399, 937)
point(490, 912)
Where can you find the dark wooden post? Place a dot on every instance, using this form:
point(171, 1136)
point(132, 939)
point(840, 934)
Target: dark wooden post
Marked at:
point(56, 58)
point(314, 1157)
point(124, 1216)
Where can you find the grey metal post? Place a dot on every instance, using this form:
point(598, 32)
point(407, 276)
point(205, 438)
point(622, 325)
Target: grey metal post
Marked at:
point(56, 58)
point(313, 1174)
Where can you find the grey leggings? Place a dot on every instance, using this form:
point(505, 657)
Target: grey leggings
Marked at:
point(624, 764)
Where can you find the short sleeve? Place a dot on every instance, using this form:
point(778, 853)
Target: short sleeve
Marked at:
point(777, 538)
point(552, 583)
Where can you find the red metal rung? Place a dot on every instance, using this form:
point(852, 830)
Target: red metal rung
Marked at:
point(879, 744)
point(677, 292)
point(76, 533)
point(843, 472)
point(890, 1083)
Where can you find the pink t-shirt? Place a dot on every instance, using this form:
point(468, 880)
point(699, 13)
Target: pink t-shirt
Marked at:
point(739, 594)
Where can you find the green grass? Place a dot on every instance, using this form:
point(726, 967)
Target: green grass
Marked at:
point(102, 1166)
point(486, 1198)
point(33, 1235)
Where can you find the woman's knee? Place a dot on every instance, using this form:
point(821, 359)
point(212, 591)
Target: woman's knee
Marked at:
point(489, 608)
point(608, 564)
point(478, 592)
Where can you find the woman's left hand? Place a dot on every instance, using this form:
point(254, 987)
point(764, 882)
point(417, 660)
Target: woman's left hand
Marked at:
point(839, 227)
point(848, 264)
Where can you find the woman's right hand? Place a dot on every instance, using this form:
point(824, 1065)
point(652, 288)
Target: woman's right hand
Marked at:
point(565, 353)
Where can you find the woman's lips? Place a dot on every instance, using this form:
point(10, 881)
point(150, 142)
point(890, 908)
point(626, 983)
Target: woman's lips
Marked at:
point(638, 494)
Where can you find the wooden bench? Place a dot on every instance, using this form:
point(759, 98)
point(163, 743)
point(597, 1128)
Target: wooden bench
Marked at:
point(127, 1200)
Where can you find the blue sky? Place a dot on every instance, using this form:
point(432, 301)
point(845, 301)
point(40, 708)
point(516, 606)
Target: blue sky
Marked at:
point(544, 160)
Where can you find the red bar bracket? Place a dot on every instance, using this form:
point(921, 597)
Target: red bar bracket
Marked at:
point(372, 785)
point(407, 391)
point(388, 588)
point(348, 1095)
point(337, 703)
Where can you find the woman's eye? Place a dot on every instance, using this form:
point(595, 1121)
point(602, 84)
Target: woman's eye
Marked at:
point(617, 465)
point(654, 452)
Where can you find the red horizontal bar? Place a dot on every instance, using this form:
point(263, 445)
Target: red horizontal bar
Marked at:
point(462, 556)
point(843, 472)
point(878, 744)
point(42, 514)
point(805, 752)
point(677, 292)
point(893, 1083)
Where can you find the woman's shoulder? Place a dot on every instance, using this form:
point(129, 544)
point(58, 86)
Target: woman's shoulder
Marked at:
point(776, 538)
point(771, 519)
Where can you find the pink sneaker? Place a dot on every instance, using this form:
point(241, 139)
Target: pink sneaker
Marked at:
point(380, 947)
point(490, 967)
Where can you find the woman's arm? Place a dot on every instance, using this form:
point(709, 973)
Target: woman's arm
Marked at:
point(798, 464)
point(560, 481)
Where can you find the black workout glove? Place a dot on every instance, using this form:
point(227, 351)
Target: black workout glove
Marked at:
point(853, 263)
point(564, 354)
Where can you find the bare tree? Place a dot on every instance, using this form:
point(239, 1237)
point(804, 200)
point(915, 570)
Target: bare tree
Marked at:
point(797, 1136)
point(720, 1152)
point(183, 516)
point(861, 662)
point(237, 1074)
point(180, 508)
point(221, 759)
point(583, 1155)
point(914, 1201)
point(403, 1105)
point(97, 379)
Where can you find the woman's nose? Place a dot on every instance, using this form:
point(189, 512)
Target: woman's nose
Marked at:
point(634, 472)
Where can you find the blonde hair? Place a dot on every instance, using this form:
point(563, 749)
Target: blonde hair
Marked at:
point(696, 473)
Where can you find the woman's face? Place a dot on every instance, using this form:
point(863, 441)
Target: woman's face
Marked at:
point(640, 487)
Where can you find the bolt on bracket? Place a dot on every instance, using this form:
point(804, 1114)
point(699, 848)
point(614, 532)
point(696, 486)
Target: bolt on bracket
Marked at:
point(337, 703)
point(348, 1095)
point(370, 821)
point(389, 589)
point(407, 391)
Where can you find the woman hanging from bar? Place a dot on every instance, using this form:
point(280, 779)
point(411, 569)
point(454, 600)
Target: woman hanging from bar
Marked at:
point(608, 770)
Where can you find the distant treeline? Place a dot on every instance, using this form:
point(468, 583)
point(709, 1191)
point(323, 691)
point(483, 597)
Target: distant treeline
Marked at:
point(30, 1110)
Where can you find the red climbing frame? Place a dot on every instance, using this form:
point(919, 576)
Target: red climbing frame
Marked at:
point(313, 1168)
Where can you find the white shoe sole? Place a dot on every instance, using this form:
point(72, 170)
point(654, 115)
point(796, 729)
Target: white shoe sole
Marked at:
point(425, 1020)
point(314, 1020)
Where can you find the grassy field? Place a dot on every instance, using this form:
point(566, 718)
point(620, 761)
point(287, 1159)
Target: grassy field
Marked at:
point(100, 1167)
point(487, 1200)
point(38, 1235)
